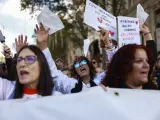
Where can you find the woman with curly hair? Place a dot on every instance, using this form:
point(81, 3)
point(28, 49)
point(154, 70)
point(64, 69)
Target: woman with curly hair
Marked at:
point(129, 68)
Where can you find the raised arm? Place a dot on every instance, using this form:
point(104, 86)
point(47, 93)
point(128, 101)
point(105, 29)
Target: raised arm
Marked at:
point(62, 82)
point(106, 43)
point(150, 43)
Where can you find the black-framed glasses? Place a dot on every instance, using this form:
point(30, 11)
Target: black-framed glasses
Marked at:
point(83, 62)
point(27, 59)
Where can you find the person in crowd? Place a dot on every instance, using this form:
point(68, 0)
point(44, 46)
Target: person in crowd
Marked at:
point(96, 64)
point(129, 68)
point(33, 77)
point(11, 62)
point(60, 64)
point(3, 71)
point(155, 75)
point(83, 68)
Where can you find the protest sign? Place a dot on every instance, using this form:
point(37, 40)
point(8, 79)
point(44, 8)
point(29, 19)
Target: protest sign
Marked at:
point(86, 46)
point(92, 104)
point(95, 16)
point(50, 20)
point(128, 31)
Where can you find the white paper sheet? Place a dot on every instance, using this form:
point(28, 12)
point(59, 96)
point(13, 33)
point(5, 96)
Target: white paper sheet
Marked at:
point(50, 20)
point(141, 14)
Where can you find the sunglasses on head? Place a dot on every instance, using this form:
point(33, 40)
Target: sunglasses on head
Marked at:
point(83, 62)
point(27, 59)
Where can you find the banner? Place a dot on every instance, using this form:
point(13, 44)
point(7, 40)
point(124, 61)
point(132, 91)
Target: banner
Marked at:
point(129, 32)
point(95, 16)
point(92, 104)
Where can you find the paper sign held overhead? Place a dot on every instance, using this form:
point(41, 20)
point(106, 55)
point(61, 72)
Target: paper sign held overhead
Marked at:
point(95, 16)
point(141, 14)
point(50, 20)
point(86, 46)
point(128, 28)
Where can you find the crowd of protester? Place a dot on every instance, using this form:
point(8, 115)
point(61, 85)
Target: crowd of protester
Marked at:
point(33, 73)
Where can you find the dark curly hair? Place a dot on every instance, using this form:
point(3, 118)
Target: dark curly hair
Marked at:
point(122, 63)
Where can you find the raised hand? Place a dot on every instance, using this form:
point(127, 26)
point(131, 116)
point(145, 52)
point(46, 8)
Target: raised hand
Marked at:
point(146, 32)
point(6, 51)
point(20, 42)
point(104, 38)
point(42, 36)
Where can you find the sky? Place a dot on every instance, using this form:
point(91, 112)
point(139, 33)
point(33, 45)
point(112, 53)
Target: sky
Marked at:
point(13, 21)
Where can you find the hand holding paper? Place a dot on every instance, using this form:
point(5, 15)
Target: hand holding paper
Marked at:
point(50, 20)
point(141, 14)
point(146, 32)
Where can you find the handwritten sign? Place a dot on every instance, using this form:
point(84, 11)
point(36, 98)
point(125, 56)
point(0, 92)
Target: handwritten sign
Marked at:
point(95, 16)
point(128, 31)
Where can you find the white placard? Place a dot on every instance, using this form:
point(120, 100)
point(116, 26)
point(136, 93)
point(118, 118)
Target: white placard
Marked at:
point(86, 46)
point(93, 104)
point(95, 16)
point(141, 14)
point(50, 20)
point(128, 29)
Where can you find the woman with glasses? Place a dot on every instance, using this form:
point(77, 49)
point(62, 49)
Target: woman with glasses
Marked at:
point(33, 76)
point(83, 72)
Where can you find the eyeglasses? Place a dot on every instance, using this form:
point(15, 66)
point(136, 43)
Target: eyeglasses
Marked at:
point(83, 62)
point(27, 59)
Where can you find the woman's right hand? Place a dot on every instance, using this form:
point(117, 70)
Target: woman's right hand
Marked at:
point(42, 36)
point(104, 38)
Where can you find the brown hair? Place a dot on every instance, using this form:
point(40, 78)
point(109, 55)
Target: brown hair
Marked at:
point(121, 64)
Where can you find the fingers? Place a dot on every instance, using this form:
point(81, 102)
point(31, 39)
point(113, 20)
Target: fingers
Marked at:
point(21, 40)
point(103, 87)
point(42, 27)
point(37, 28)
point(25, 40)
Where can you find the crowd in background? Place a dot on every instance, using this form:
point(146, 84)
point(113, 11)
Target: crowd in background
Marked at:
point(33, 73)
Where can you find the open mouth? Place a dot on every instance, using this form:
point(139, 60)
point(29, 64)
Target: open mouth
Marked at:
point(82, 69)
point(144, 73)
point(24, 72)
